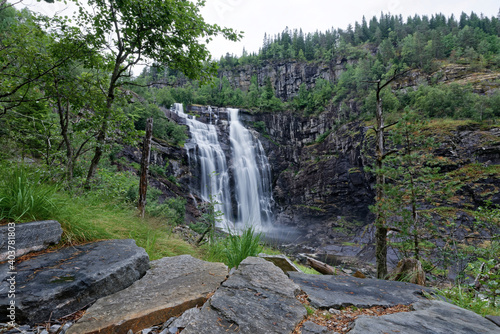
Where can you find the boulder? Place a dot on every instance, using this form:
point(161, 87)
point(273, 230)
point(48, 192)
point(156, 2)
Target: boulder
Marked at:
point(341, 291)
point(29, 237)
point(59, 283)
point(409, 270)
point(178, 323)
point(172, 286)
point(430, 316)
point(257, 298)
point(281, 261)
point(310, 327)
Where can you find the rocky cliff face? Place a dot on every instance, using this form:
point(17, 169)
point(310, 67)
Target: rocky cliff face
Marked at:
point(318, 176)
point(286, 76)
point(321, 189)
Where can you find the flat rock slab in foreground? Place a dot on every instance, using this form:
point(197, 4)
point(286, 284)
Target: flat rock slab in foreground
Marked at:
point(281, 261)
point(430, 316)
point(29, 237)
point(170, 287)
point(257, 298)
point(56, 284)
point(326, 291)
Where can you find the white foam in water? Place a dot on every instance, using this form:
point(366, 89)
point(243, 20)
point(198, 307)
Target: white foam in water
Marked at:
point(205, 152)
point(252, 176)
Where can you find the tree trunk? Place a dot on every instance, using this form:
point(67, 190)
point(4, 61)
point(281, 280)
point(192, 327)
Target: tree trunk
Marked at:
point(380, 223)
point(101, 137)
point(381, 229)
point(321, 267)
point(146, 149)
point(97, 155)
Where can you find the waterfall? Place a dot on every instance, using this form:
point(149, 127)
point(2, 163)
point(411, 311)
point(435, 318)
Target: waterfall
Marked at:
point(251, 173)
point(252, 176)
point(206, 155)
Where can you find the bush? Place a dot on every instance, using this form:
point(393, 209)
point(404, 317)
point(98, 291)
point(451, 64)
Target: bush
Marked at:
point(24, 195)
point(172, 208)
point(113, 185)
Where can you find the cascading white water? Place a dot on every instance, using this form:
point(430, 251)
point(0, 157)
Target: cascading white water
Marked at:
point(250, 171)
point(205, 152)
point(252, 176)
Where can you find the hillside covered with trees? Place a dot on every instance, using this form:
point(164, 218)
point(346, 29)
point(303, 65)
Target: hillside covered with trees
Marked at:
point(372, 51)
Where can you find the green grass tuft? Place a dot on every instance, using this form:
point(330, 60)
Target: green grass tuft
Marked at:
point(25, 195)
point(234, 248)
point(468, 299)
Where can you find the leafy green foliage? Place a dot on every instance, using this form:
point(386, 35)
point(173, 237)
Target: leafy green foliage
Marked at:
point(418, 40)
point(487, 272)
point(172, 208)
point(486, 269)
point(163, 128)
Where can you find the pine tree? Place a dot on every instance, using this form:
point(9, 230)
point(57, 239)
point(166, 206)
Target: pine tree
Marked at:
point(409, 174)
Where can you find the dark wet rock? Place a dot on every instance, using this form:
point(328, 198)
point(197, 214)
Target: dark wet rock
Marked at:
point(29, 237)
point(172, 286)
point(430, 316)
point(281, 261)
point(342, 291)
point(56, 284)
point(257, 298)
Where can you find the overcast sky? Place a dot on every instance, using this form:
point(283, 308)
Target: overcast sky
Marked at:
point(256, 17)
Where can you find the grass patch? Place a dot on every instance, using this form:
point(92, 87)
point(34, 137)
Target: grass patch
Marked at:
point(89, 218)
point(26, 195)
point(310, 310)
point(307, 270)
point(462, 296)
point(234, 248)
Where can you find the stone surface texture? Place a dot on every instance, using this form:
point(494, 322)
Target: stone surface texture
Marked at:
point(30, 237)
point(281, 261)
point(310, 327)
point(59, 283)
point(340, 291)
point(429, 317)
point(257, 298)
point(494, 319)
point(172, 286)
